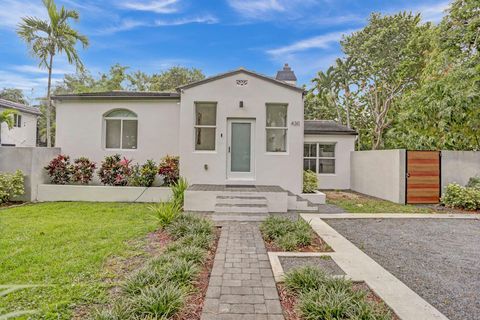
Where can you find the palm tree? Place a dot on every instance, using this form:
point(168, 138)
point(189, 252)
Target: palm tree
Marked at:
point(328, 89)
point(46, 38)
point(345, 77)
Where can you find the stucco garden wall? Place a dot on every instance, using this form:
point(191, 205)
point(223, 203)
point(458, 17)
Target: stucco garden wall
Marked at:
point(31, 161)
point(379, 173)
point(459, 166)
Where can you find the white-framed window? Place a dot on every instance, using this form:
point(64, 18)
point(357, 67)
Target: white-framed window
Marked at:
point(17, 120)
point(121, 129)
point(205, 126)
point(319, 157)
point(276, 127)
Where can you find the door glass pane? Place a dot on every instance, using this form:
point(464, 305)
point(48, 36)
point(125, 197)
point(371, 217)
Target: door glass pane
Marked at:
point(112, 139)
point(240, 148)
point(276, 140)
point(276, 115)
point(129, 139)
point(206, 114)
point(326, 166)
point(326, 150)
point(204, 138)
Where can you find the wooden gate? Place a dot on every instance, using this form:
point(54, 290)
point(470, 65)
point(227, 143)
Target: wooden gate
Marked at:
point(423, 177)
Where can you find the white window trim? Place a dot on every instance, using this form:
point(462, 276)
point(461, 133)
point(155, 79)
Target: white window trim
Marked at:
point(317, 157)
point(203, 126)
point(17, 120)
point(278, 128)
point(105, 119)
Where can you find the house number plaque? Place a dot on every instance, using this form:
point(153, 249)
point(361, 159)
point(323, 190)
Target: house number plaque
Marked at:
point(295, 123)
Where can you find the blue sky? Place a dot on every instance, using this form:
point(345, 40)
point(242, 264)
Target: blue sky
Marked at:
point(215, 36)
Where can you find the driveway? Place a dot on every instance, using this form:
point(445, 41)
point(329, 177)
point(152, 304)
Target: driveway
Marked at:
point(437, 258)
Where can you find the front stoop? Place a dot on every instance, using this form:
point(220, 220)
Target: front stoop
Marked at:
point(241, 204)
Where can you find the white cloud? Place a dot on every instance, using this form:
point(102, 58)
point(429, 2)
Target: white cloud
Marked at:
point(9, 79)
point(12, 12)
point(157, 6)
point(323, 41)
point(433, 13)
point(36, 70)
point(256, 8)
point(207, 19)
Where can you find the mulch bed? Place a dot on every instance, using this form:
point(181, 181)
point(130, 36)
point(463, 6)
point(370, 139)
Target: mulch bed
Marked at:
point(318, 245)
point(194, 304)
point(289, 301)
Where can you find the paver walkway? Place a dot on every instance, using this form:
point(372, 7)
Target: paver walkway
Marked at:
point(241, 284)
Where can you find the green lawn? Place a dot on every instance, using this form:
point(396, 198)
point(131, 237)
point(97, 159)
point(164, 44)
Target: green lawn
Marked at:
point(63, 247)
point(356, 203)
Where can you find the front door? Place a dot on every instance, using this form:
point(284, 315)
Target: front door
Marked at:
point(240, 149)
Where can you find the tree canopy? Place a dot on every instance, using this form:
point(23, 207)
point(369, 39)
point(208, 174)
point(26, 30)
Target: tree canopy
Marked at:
point(407, 84)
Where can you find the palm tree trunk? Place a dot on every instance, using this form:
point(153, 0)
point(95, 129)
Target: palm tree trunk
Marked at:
point(49, 102)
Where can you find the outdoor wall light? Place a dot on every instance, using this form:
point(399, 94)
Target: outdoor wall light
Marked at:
point(241, 104)
point(205, 166)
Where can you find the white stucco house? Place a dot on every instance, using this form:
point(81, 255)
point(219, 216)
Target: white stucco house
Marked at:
point(24, 131)
point(238, 128)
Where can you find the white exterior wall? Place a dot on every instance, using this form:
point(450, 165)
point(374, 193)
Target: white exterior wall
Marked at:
point(283, 169)
point(459, 166)
point(344, 144)
point(25, 136)
point(80, 128)
point(379, 173)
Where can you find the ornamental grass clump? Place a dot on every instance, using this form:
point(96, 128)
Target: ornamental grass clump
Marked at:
point(115, 171)
point(288, 234)
point(320, 296)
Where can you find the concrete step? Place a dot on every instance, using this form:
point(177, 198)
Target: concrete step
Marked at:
point(241, 200)
point(241, 208)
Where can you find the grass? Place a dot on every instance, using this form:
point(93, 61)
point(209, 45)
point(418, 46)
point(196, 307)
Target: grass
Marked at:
point(64, 247)
point(287, 234)
point(320, 296)
point(161, 287)
point(357, 203)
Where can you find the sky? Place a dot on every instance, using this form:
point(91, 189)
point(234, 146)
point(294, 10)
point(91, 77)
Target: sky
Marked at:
point(213, 35)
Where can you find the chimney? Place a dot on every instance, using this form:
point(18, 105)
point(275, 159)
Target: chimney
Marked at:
point(287, 75)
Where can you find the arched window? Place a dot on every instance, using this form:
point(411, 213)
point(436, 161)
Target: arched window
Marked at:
point(121, 128)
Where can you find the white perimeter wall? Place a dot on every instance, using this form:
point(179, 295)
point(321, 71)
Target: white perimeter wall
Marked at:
point(283, 169)
point(31, 161)
point(379, 173)
point(459, 166)
point(344, 144)
point(25, 136)
point(80, 128)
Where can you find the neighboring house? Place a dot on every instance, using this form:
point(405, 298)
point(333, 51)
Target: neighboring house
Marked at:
point(24, 131)
point(239, 127)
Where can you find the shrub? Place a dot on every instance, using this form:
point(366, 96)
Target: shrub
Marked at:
point(11, 185)
point(457, 196)
point(169, 169)
point(160, 302)
point(287, 234)
point(60, 169)
point(114, 171)
point(143, 175)
point(474, 182)
point(165, 212)
point(82, 170)
point(310, 181)
point(178, 190)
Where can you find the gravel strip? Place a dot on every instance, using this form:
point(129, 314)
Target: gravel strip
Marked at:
point(437, 258)
point(325, 263)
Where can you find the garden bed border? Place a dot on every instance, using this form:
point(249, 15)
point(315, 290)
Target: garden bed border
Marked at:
point(95, 193)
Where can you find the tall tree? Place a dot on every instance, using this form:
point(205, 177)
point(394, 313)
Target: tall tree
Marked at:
point(385, 63)
point(326, 86)
point(12, 94)
point(47, 38)
point(345, 78)
point(174, 77)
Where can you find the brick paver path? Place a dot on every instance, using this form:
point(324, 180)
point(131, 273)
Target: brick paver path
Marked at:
point(241, 284)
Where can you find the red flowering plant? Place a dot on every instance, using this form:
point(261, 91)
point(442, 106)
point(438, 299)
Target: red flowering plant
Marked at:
point(60, 169)
point(83, 170)
point(169, 170)
point(115, 171)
